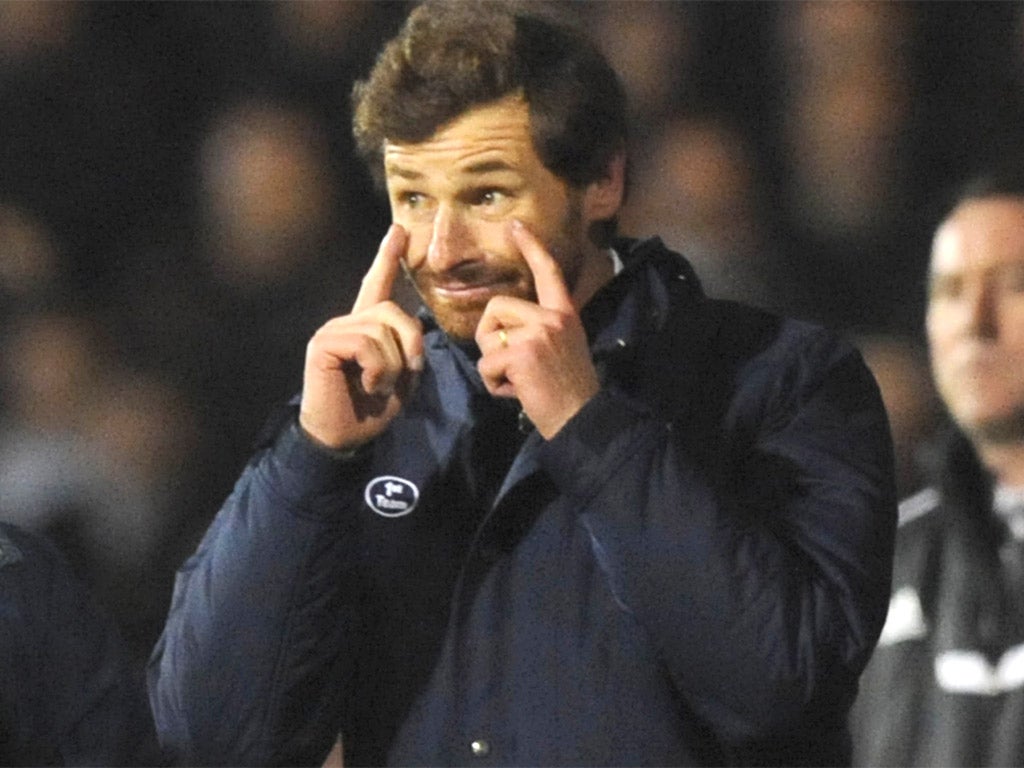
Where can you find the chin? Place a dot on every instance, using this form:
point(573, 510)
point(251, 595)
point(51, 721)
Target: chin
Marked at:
point(461, 326)
point(996, 429)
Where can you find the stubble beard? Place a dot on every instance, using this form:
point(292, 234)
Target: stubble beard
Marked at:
point(460, 322)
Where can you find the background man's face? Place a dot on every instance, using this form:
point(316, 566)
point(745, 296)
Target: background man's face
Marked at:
point(457, 192)
point(975, 317)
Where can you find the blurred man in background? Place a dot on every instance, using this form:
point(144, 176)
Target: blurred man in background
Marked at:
point(68, 693)
point(946, 685)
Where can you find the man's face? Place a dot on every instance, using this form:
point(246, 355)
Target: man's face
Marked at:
point(456, 194)
point(976, 317)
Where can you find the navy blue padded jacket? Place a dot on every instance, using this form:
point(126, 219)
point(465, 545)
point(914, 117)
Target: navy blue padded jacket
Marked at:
point(694, 570)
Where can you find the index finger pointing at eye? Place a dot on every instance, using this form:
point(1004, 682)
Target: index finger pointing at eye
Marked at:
point(379, 279)
point(549, 283)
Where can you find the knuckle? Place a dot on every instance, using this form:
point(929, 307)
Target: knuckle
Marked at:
point(389, 313)
point(368, 345)
point(384, 309)
point(317, 341)
point(560, 322)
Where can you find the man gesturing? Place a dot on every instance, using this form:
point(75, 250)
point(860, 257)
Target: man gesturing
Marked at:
point(537, 353)
point(360, 367)
point(573, 511)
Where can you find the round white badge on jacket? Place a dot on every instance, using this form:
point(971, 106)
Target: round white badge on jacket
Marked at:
point(391, 496)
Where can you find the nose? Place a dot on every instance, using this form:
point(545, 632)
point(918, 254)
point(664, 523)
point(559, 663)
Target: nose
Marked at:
point(981, 311)
point(450, 239)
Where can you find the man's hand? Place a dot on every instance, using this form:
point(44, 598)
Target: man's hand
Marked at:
point(361, 367)
point(537, 353)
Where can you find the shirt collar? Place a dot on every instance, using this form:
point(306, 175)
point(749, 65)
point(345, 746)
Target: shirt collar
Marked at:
point(1008, 503)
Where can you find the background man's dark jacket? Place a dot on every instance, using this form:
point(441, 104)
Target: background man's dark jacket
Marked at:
point(67, 693)
point(946, 684)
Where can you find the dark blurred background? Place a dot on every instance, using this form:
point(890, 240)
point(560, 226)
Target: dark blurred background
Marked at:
point(180, 209)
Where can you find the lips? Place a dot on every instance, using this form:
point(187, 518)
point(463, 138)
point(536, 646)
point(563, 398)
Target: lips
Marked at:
point(472, 293)
point(472, 284)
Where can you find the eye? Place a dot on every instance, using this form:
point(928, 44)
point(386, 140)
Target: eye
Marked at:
point(410, 199)
point(946, 287)
point(491, 197)
point(413, 206)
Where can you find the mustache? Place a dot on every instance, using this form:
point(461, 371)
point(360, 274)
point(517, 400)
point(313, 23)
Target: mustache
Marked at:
point(472, 273)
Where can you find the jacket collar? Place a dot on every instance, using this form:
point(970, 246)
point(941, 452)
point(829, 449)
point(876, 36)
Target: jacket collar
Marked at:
point(635, 304)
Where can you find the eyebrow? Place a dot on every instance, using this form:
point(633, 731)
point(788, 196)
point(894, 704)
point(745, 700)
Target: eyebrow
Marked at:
point(404, 173)
point(488, 166)
point(482, 167)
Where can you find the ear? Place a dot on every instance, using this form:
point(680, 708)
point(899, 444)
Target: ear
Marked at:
point(603, 197)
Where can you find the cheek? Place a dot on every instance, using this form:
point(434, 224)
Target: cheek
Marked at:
point(1013, 329)
point(1015, 349)
point(493, 237)
point(417, 245)
point(941, 341)
point(421, 233)
point(940, 327)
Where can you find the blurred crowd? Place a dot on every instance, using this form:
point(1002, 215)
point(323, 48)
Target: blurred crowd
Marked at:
point(180, 208)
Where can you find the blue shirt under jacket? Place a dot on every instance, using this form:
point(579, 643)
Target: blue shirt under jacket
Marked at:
point(694, 570)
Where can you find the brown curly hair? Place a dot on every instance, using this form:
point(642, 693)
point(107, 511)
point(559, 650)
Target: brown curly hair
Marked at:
point(451, 56)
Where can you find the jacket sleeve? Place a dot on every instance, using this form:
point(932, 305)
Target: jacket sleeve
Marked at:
point(753, 544)
point(70, 693)
point(263, 620)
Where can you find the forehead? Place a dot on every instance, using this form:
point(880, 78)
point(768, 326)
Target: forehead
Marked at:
point(980, 235)
point(490, 137)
